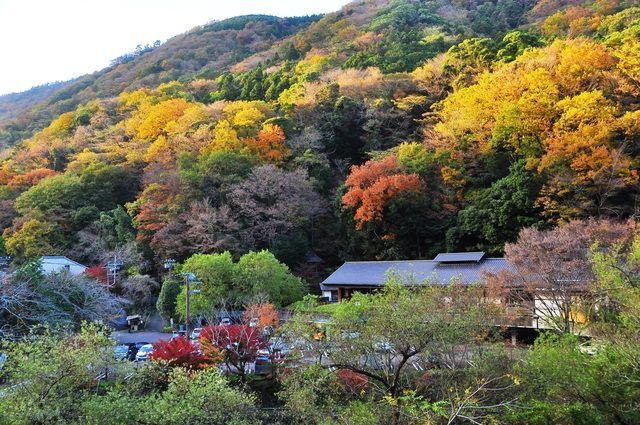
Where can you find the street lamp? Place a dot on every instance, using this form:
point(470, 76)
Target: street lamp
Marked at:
point(189, 279)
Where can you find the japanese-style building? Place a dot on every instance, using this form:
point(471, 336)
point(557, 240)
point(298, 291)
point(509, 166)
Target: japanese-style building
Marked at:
point(466, 268)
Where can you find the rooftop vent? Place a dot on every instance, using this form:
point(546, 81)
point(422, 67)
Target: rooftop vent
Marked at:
point(459, 257)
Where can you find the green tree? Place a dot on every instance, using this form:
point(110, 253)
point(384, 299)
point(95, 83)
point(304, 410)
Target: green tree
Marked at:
point(117, 227)
point(562, 383)
point(34, 239)
point(166, 304)
point(381, 339)
point(497, 214)
point(216, 273)
point(51, 374)
point(201, 397)
point(260, 273)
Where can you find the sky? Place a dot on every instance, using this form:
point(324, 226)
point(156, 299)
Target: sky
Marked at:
point(55, 40)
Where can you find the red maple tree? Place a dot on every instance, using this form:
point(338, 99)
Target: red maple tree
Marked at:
point(372, 185)
point(351, 381)
point(238, 344)
point(180, 352)
point(98, 273)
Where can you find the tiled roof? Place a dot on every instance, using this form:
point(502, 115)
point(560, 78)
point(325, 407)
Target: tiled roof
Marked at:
point(374, 273)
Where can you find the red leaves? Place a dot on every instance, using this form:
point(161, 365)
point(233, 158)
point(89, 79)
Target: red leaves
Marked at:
point(98, 273)
point(353, 382)
point(372, 185)
point(239, 344)
point(180, 352)
point(30, 178)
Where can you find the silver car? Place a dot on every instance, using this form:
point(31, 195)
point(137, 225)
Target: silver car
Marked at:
point(143, 353)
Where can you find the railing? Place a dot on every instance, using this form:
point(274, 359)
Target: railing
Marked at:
point(520, 317)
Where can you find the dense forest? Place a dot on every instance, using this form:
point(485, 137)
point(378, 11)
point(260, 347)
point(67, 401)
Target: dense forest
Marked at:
point(216, 179)
point(386, 130)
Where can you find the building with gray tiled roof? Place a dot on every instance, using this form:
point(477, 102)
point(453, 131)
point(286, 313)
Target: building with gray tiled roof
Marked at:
point(466, 268)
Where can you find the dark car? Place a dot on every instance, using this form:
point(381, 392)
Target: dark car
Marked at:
point(134, 349)
point(121, 352)
point(263, 365)
point(126, 351)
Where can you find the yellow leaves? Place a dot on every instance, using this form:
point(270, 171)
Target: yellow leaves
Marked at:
point(159, 151)
point(470, 111)
point(588, 108)
point(157, 117)
point(246, 117)
point(225, 138)
point(515, 379)
point(582, 64)
point(581, 135)
point(629, 63)
point(134, 98)
point(189, 120)
point(83, 160)
point(314, 63)
point(60, 126)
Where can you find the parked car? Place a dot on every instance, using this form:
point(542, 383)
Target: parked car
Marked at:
point(254, 322)
point(143, 353)
point(262, 365)
point(121, 351)
point(225, 321)
point(195, 334)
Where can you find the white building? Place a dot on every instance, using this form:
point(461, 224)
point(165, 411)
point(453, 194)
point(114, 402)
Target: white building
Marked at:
point(59, 263)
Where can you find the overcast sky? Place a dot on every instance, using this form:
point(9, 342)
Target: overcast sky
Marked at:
point(55, 40)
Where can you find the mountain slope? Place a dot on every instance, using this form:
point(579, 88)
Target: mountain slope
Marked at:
point(385, 130)
point(204, 51)
point(12, 104)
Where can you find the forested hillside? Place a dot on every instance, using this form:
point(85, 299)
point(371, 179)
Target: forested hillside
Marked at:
point(387, 130)
point(12, 104)
point(204, 51)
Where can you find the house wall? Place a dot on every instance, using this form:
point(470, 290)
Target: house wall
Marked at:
point(57, 266)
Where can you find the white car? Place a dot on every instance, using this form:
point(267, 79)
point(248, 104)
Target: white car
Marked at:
point(143, 353)
point(195, 334)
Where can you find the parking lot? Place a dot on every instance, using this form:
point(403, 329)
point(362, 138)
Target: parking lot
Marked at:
point(124, 337)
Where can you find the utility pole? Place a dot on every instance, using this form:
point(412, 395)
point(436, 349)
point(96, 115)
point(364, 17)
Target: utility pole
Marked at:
point(189, 279)
point(113, 267)
point(188, 312)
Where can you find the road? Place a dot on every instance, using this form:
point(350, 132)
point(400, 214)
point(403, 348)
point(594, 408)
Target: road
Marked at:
point(123, 337)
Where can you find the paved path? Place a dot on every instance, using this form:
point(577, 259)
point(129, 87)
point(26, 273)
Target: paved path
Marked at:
point(150, 337)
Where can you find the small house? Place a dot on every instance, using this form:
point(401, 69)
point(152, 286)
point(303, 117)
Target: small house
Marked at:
point(59, 263)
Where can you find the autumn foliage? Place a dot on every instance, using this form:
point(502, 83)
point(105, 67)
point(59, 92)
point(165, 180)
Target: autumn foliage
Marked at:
point(237, 344)
point(181, 352)
point(352, 382)
point(98, 273)
point(269, 145)
point(372, 185)
point(266, 313)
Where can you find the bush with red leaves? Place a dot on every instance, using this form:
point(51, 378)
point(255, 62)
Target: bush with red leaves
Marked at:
point(238, 344)
point(98, 273)
point(351, 381)
point(180, 352)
